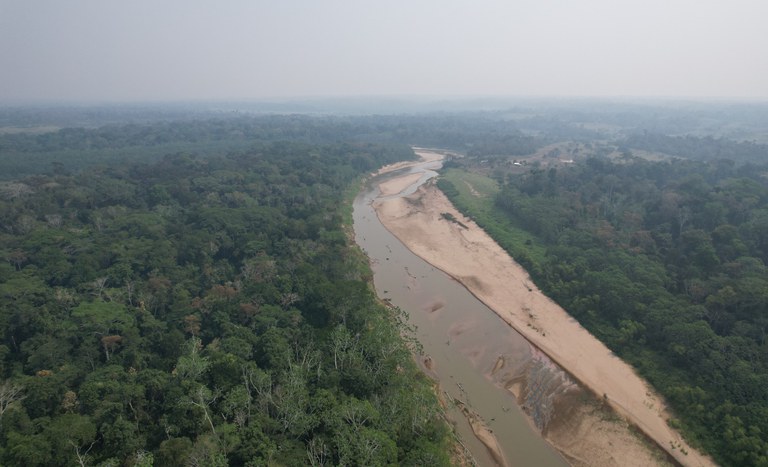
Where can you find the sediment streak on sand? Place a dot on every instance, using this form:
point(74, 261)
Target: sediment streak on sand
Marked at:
point(467, 253)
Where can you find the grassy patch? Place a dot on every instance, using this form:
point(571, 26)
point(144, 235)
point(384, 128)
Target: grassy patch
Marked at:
point(473, 194)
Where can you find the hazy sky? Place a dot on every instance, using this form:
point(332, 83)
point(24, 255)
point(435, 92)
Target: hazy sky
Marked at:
point(230, 49)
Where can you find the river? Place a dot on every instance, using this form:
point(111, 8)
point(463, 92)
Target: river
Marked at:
point(475, 356)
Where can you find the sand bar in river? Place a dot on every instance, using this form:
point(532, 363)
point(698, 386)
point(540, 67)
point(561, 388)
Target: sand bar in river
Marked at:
point(468, 254)
point(396, 185)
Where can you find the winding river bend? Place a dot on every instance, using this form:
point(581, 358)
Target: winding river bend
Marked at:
point(485, 367)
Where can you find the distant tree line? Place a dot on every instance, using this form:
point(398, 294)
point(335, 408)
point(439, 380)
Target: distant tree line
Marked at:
point(73, 149)
point(699, 148)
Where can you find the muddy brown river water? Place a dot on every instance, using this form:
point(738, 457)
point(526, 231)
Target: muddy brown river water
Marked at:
point(480, 362)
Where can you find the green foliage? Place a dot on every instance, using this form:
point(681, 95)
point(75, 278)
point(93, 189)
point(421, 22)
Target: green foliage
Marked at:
point(200, 310)
point(661, 262)
point(474, 194)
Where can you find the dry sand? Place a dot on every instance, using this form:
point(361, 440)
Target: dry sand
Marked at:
point(474, 259)
point(396, 185)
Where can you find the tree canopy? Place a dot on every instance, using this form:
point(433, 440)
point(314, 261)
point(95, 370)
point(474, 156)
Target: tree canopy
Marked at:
point(665, 262)
point(202, 311)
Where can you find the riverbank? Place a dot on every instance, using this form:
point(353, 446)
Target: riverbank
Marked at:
point(586, 435)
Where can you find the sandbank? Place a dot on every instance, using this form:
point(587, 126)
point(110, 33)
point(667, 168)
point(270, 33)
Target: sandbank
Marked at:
point(468, 254)
point(484, 434)
point(396, 185)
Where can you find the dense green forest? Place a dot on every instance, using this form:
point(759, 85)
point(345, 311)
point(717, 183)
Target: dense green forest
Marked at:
point(666, 263)
point(200, 311)
point(178, 288)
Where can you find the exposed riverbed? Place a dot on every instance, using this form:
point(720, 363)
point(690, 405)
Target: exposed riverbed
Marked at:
point(597, 413)
point(479, 360)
